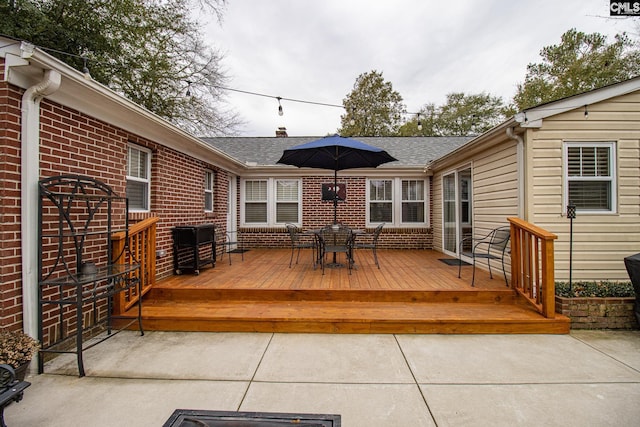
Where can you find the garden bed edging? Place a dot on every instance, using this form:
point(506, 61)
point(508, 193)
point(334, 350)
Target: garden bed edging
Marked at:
point(598, 313)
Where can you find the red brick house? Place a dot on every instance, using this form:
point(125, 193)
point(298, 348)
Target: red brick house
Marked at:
point(53, 120)
point(56, 121)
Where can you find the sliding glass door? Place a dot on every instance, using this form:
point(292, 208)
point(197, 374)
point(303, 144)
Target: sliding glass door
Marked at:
point(457, 208)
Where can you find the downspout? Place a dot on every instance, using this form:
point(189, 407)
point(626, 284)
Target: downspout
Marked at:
point(30, 174)
point(521, 170)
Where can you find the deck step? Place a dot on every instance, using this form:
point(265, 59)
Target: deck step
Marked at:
point(195, 294)
point(346, 317)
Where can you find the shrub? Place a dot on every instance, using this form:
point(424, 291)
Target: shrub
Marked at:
point(603, 289)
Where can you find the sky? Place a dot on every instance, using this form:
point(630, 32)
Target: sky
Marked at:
point(314, 50)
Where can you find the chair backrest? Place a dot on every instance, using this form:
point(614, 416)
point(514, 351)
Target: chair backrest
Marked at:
point(338, 235)
point(500, 239)
point(377, 231)
point(293, 232)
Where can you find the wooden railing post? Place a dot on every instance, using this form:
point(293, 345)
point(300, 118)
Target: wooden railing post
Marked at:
point(138, 247)
point(532, 265)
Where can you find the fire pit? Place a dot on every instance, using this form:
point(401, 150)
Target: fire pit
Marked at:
point(199, 418)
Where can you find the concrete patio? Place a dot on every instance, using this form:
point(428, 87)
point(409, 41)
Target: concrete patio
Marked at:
point(584, 378)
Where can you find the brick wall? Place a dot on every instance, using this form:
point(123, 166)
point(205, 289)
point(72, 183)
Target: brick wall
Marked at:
point(317, 213)
point(10, 254)
point(74, 143)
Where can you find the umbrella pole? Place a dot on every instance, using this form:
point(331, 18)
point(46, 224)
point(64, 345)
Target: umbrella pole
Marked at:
point(335, 206)
point(335, 197)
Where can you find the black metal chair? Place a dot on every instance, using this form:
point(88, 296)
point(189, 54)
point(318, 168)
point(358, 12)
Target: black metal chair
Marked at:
point(335, 239)
point(492, 246)
point(371, 243)
point(232, 243)
point(298, 243)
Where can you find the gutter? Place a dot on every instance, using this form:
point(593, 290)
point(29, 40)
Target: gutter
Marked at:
point(30, 174)
point(521, 169)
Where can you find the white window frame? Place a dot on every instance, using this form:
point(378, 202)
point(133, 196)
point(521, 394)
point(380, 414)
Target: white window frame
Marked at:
point(271, 202)
point(209, 180)
point(611, 146)
point(147, 180)
point(397, 202)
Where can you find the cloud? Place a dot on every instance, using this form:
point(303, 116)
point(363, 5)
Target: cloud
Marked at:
point(315, 50)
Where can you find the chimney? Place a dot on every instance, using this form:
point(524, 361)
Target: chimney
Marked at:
point(281, 132)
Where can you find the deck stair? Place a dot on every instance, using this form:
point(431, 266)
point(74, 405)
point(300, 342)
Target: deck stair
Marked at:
point(413, 292)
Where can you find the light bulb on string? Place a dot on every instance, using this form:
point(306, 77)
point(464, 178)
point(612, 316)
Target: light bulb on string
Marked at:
point(586, 112)
point(280, 111)
point(85, 69)
point(419, 122)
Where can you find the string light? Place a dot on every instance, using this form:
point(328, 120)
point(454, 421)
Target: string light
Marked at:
point(280, 112)
point(85, 69)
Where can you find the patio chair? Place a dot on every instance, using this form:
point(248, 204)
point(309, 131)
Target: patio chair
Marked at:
point(371, 243)
point(492, 246)
point(335, 239)
point(232, 243)
point(298, 243)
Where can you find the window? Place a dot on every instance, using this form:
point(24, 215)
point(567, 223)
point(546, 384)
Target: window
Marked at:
point(287, 201)
point(255, 208)
point(272, 201)
point(590, 183)
point(381, 201)
point(208, 191)
point(412, 201)
point(397, 201)
point(138, 178)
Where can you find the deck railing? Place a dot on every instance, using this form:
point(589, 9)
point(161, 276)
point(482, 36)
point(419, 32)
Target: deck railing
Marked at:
point(532, 265)
point(141, 247)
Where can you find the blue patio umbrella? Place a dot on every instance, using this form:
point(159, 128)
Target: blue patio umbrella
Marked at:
point(335, 153)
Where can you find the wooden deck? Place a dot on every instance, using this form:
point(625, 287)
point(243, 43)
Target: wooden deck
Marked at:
point(412, 292)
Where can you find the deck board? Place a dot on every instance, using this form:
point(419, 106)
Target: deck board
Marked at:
point(412, 292)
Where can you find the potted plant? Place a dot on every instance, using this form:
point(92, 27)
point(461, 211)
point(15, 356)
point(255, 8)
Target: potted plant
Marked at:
point(17, 349)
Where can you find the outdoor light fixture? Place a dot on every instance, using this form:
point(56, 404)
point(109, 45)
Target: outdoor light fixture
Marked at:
point(586, 112)
point(280, 112)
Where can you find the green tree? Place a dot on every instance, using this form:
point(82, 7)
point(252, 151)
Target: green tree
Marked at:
point(461, 115)
point(150, 51)
point(581, 62)
point(373, 108)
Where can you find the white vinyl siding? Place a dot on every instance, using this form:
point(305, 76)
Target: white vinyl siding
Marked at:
point(601, 238)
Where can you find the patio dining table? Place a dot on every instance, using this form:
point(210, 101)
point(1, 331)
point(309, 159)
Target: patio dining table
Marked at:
point(333, 247)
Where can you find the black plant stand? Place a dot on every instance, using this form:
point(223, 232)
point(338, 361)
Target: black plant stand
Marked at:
point(79, 273)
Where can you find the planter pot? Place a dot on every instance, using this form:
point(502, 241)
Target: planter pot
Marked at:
point(598, 313)
point(21, 371)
